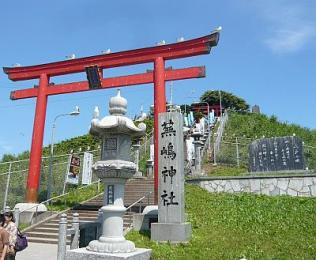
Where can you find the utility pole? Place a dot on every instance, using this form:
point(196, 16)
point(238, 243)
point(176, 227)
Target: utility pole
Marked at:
point(237, 152)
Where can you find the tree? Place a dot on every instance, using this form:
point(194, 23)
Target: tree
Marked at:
point(229, 100)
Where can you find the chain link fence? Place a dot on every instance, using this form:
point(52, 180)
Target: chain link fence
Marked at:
point(234, 151)
point(13, 177)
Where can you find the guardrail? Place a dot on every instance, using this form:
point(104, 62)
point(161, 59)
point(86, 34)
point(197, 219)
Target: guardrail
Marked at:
point(17, 212)
point(219, 134)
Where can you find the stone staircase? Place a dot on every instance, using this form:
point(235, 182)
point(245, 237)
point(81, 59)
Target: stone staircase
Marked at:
point(47, 231)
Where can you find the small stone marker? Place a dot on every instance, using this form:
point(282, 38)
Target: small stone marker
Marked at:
point(276, 154)
point(171, 224)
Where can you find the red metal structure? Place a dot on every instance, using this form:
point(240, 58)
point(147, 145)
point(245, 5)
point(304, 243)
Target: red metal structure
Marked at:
point(158, 55)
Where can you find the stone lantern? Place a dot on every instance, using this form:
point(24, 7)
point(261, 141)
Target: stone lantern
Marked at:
point(114, 169)
point(197, 152)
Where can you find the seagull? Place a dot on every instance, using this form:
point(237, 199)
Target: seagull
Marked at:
point(108, 51)
point(163, 42)
point(219, 28)
point(180, 39)
point(96, 112)
point(71, 57)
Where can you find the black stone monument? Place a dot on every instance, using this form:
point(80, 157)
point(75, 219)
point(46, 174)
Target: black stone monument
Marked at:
point(276, 154)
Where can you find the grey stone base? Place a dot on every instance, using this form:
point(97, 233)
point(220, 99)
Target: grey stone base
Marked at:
point(142, 222)
point(172, 232)
point(83, 253)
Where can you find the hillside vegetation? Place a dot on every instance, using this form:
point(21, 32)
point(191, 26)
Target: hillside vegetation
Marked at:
point(247, 127)
point(19, 170)
point(228, 226)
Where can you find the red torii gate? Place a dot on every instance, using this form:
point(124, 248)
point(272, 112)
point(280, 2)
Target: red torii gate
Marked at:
point(157, 55)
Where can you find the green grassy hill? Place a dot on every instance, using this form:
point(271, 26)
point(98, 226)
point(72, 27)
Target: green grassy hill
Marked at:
point(228, 226)
point(247, 127)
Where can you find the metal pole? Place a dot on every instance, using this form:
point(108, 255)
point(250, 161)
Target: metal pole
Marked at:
point(237, 152)
point(214, 152)
point(220, 103)
point(62, 237)
point(66, 173)
point(7, 187)
point(51, 156)
point(209, 127)
point(145, 148)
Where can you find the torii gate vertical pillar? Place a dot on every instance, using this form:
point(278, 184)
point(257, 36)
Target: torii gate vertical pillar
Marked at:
point(159, 107)
point(37, 141)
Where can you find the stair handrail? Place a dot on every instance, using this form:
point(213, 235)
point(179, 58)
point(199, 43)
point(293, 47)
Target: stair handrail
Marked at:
point(139, 200)
point(53, 198)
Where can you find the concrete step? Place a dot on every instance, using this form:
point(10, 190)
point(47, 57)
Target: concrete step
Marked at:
point(35, 234)
point(47, 232)
point(83, 219)
point(45, 241)
point(46, 229)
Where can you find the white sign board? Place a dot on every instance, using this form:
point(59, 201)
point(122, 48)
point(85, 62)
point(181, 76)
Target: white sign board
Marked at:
point(87, 168)
point(73, 170)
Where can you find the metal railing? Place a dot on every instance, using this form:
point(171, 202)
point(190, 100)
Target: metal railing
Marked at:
point(36, 207)
point(219, 134)
point(13, 177)
point(129, 208)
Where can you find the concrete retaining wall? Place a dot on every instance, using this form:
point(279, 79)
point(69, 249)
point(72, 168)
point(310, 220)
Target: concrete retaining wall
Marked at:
point(303, 185)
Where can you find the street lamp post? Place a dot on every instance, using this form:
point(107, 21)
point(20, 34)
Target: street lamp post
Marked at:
point(220, 103)
point(76, 112)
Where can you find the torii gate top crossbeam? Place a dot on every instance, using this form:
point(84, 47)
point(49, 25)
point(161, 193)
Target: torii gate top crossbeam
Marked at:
point(177, 50)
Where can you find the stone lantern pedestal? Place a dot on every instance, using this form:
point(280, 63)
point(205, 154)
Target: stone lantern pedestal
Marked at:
point(114, 175)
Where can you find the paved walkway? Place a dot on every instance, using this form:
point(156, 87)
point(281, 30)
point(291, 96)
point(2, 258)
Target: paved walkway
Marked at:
point(38, 251)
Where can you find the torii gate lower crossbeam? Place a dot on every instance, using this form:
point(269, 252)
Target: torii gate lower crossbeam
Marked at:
point(157, 55)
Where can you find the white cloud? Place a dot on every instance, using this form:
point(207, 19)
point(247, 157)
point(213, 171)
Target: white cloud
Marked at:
point(290, 25)
point(285, 40)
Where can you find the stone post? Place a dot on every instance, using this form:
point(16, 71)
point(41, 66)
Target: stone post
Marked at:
point(197, 152)
point(198, 157)
point(136, 151)
point(62, 237)
point(17, 216)
point(150, 168)
point(75, 237)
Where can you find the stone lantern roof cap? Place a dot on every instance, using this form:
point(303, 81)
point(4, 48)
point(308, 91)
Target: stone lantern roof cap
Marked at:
point(116, 122)
point(118, 105)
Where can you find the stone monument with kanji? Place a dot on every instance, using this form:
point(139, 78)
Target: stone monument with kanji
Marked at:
point(172, 225)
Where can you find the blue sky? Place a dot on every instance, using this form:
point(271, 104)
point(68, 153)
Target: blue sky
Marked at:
point(266, 54)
